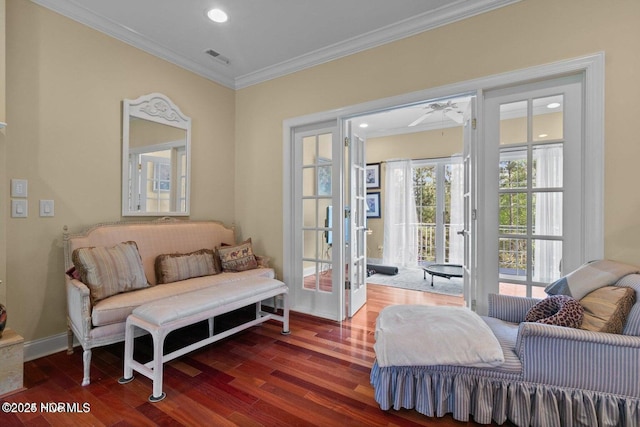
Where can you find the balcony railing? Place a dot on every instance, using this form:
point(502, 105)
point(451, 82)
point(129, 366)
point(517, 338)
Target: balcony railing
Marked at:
point(426, 233)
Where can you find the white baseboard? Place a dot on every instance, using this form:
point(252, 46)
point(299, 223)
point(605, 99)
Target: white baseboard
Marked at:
point(45, 346)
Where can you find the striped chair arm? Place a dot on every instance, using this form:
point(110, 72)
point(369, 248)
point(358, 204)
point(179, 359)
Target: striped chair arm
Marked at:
point(577, 358)
point(510, 308)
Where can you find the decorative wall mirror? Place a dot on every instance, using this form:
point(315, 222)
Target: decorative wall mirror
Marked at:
point(156, 157)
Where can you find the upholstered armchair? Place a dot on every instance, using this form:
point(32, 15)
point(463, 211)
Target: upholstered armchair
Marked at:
point(551, 376)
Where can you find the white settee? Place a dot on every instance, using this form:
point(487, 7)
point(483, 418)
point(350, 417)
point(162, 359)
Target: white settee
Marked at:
point(102, 322)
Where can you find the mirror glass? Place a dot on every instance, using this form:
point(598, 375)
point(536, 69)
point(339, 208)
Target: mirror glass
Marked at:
point(156, 157)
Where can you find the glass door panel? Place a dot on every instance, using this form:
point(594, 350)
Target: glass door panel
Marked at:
point(425, 189)
point(316, 212)
point(547, 122)
point(513, 122)
point(533, 139)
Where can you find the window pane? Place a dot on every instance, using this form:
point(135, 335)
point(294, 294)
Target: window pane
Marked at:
point(513, 122)
point(547, 118)
point(547, 166)
point(513, 289)
point(321, 281)
point(547, 213)
point(324, 146)
point(513, 169)
point(309, 181)
point(323, 177)
point(538, 292)
point(309, 244)
point(512, 258)
point(547, 259)
point(308, 150)
point(513, 213)
point(309, 212)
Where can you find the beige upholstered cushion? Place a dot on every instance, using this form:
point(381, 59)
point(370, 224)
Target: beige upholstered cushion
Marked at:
point(176, 267)
point(114, 310)
point(237, 258)
point(110, 270)
point(606, 309)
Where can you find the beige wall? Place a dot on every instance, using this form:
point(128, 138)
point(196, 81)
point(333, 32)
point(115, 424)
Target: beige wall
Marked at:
point(66, 83)
point(3, 157)
point(421, 145)
point(525, 34)
point(64, 97)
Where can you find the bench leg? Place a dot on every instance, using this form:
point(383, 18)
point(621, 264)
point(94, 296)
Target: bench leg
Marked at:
point(210, 321)
point(128, 354)
point(158, 362)
point(285, 314)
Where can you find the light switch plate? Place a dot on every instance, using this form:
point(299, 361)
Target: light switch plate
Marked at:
point(19, 208)
point(46, 208)
point(19, 187)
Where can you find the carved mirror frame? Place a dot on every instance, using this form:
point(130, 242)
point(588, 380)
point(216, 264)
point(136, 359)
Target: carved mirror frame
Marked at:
point(155, 108)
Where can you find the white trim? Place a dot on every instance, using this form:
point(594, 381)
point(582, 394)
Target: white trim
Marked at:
point(593, 68)
point(45, 346)
point(455, 11)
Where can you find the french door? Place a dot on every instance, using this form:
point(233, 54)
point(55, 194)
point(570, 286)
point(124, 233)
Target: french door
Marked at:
point(534, 158)
point(438, 195)
point(317, 286)
point(356, 224)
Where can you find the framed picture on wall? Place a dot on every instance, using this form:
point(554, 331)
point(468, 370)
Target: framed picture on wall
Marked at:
point(372, 175)
point(373, 204)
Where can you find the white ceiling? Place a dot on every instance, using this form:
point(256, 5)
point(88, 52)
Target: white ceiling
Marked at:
point(263, 39)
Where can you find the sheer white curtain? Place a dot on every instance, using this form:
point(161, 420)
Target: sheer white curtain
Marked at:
point(400, 217)
point(547, 254)
point(456, 241)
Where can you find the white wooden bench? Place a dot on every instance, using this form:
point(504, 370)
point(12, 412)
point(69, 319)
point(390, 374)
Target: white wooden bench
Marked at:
point(159, 318)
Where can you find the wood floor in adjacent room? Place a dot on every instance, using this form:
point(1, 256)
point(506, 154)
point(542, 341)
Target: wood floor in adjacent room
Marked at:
point(318, 375)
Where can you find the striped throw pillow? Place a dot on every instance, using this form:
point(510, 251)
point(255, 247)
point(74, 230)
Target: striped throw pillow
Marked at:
point(110, 270)
point(175, 267)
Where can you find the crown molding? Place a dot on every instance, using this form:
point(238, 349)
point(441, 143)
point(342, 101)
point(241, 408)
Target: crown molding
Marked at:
point(100, 23)
point(455, 11)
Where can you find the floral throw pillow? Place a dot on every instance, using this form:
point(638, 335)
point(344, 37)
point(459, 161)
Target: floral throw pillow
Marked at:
point(237, 258)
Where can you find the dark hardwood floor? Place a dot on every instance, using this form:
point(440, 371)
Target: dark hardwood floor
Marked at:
point(318, 375)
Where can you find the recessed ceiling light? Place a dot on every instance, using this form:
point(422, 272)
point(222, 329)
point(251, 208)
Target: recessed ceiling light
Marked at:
point(543, 135)
point(553, 105)
point(364, 125)
point(217, 15)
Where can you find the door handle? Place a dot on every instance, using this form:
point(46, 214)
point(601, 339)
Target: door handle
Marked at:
point(461, 232)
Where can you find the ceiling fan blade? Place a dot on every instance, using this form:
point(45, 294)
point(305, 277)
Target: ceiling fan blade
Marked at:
point(454, 115)
point(420, 119)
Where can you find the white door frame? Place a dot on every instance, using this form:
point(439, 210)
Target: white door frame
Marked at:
point(593, 68)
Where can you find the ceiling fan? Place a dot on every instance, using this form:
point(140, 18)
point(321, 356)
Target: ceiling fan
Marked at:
point(449, 109)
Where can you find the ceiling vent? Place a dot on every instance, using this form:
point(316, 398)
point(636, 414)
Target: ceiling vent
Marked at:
point(216, 55)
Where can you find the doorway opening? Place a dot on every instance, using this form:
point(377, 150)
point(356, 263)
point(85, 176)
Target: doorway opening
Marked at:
point(482, 194)
point(417, 152)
